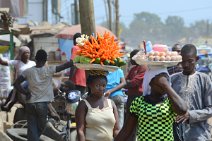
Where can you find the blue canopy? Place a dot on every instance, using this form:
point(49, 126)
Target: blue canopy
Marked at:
point(65, 46)
point(202, 56)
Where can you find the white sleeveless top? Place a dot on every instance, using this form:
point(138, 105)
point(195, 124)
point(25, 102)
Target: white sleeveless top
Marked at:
point(99, 123)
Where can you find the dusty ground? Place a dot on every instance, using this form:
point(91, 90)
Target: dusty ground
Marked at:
point(6, 121)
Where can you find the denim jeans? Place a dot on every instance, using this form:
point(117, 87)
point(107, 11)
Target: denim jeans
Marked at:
point(36, 119)
point(119, 102)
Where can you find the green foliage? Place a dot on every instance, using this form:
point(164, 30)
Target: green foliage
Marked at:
point(84, 60)
point(149, 26)
point(174, 28)
point(145, 26)
point(77, 59)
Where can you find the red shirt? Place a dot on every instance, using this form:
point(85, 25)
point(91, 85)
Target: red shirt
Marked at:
point(134, 80)
point(79, 78)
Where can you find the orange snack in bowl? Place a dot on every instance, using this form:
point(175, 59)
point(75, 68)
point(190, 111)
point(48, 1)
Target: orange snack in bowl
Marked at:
point(162, 58)
point(162, 53)
point(156, 53)
point(151, 58)
point(173, 58)
point(168, 53)
point(157, 58)
point(179, 58)
point(168, 58)
point(174, 53)
point(151, 54)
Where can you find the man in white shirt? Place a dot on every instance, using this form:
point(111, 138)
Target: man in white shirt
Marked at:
point(40, 90)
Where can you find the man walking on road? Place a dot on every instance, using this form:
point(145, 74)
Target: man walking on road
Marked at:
point(40, 93)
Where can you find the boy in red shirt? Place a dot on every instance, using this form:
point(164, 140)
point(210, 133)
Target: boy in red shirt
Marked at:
point(77, 75)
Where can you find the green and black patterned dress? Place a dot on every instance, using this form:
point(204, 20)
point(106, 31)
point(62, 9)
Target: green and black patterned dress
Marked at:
point(154, 121)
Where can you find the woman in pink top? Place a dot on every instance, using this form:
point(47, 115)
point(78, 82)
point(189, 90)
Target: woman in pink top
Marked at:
point(96, 116)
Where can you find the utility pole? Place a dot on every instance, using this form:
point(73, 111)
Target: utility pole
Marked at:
point(76, 11)
point(87, 19)
point(117, 18)
point(106, 12)
point(109, 15)
point(45, 10)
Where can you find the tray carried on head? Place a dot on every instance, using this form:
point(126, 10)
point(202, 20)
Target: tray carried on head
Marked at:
point(96, 67)
point(161, 63)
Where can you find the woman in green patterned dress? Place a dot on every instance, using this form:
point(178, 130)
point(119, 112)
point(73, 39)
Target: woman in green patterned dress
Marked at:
point(154, 113)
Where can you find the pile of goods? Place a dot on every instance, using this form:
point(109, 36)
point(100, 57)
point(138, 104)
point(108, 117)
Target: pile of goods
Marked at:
point(164, 56)
point(102, 50)
point(3, 48)
point(156, 58)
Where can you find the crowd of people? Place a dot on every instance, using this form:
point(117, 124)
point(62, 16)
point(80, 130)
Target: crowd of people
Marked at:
point(170, 104)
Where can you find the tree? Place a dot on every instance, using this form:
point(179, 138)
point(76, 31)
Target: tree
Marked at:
point(148, 26)
point(117, 28)
point(122, 28)
point(145, 26)
point(174, 28)
point(200, 28)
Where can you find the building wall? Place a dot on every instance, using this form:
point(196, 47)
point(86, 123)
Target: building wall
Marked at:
point(46, 43)
point(35, 12)
point(65, 12)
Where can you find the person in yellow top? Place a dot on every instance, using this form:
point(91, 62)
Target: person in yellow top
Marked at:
point(96, 116)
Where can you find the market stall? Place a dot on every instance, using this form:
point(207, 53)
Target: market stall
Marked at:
point(6, 51)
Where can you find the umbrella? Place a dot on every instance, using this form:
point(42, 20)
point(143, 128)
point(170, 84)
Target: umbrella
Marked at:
point(68, 32)
point(6, 38)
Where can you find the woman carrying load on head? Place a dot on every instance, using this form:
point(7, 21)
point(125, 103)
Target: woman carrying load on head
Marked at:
point(96, 116)
point(154, 112)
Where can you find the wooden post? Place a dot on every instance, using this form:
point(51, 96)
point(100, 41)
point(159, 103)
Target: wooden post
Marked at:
point(76, 11)
point(11, 45)
point(117, 18)
point(109, 15)
point(45, 10)
point(87, 19)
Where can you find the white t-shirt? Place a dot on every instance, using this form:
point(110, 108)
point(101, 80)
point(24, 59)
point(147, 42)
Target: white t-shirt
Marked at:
point(20, 66)
point(40, 83)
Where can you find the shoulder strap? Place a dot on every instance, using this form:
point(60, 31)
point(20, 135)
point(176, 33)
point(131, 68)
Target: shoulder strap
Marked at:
point(87, 103)
point(109, 103)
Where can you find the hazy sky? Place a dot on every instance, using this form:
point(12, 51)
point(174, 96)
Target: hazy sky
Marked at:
point(190, 10)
